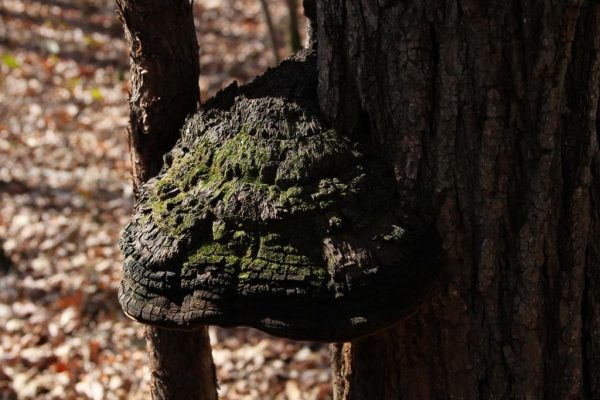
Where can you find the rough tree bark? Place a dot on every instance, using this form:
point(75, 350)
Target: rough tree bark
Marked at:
point(164, 71)
point(488, 113)
point(164, 75)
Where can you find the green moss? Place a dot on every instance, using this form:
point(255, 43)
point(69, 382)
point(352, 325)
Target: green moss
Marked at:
point(244, 276)
point(277, 257)
point(212, 253)
point(277, 168)
point(218, 230)
point(243, 156)
point(289, 170)
point(242, 243)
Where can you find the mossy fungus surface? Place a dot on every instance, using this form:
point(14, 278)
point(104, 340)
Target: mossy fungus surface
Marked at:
point(263, 216)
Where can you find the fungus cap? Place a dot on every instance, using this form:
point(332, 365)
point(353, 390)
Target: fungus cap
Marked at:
point(265, 217)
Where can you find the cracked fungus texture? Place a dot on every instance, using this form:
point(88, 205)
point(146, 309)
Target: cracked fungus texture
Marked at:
point(264, 216)
point(241, 186)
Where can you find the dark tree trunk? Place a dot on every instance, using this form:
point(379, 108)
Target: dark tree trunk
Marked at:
point(487, 112)
point(164, 75)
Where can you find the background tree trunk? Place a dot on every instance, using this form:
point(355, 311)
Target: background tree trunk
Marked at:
point(271, 28)
point(487, 113)
point(164, 75)
point(294, 27)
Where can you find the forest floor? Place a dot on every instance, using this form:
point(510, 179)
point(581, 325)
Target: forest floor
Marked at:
point(65, 195)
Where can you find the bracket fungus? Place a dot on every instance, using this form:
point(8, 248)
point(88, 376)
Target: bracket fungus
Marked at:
point(265, 217)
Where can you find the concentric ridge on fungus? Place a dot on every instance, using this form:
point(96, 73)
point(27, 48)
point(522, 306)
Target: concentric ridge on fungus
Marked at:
point(263, 216)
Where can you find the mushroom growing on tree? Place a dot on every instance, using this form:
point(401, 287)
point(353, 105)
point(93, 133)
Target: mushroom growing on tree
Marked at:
point(488, 113)
point(264, 216)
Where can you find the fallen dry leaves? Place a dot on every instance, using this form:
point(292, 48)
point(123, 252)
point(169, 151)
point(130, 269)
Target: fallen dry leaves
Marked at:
point(65, 194)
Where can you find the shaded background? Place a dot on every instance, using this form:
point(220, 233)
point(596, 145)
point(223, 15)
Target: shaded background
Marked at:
point(65, 195)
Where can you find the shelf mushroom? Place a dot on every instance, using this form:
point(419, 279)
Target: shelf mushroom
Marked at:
point(263, 216)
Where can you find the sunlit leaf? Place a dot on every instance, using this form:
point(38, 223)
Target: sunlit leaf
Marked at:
point(72, 83)
point(91, 42)
point(52, 60)
point(96, 94)
point(10, 61)
point(70, 300)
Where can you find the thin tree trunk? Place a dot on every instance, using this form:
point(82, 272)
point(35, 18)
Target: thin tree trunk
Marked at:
point(164, 75)
point(488, 114)
point(271, 28)
point(181, 364)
